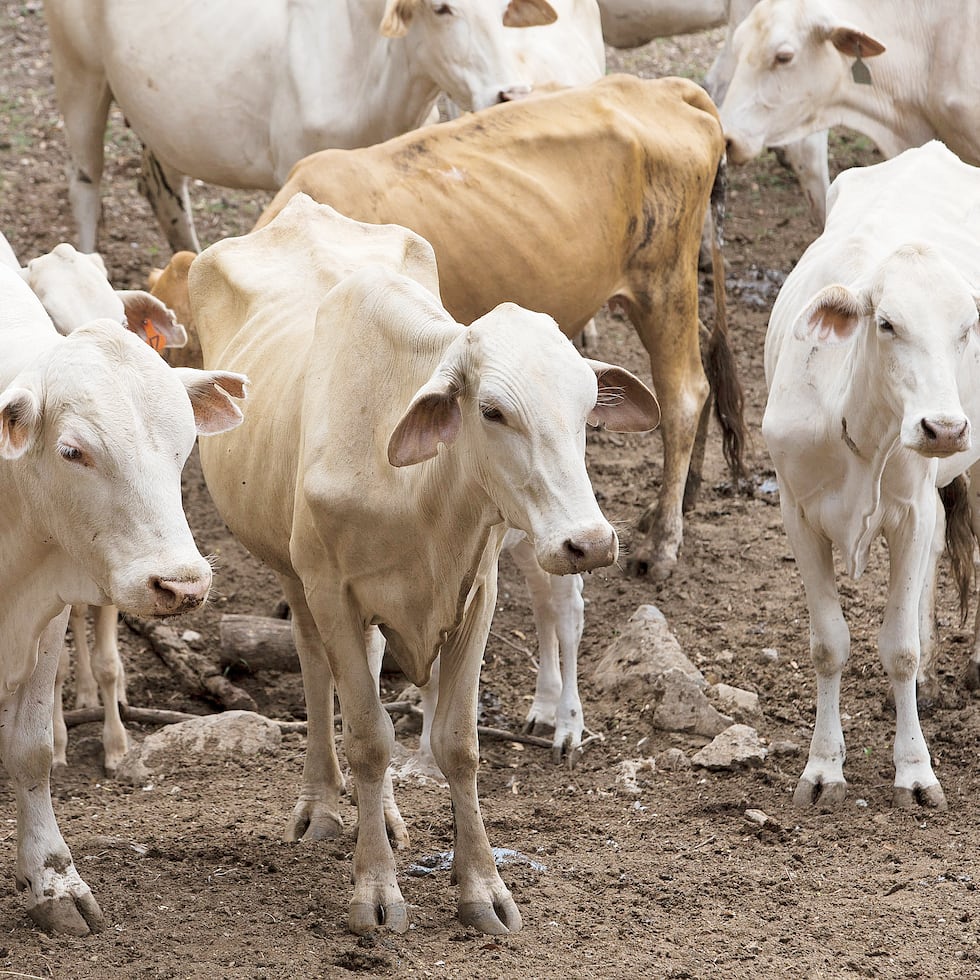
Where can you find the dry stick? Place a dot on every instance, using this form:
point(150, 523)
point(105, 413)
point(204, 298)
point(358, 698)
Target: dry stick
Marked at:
point(197, 674)
point(154, 716)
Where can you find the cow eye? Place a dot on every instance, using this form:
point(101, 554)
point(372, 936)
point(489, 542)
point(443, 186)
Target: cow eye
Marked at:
point(885, 327)
point(72, 453)
point(491, 413)
point(784, 56)
point(442, 10)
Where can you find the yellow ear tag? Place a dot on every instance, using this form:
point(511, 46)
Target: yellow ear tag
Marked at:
point(153, 336)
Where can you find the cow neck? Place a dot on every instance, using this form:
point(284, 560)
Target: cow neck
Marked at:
point(892, 124)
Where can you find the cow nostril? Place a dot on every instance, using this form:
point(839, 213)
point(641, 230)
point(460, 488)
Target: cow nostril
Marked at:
point(928, 429)
point(575, 551)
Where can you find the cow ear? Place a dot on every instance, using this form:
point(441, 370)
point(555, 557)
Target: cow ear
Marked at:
point(20, 422)
point(831, 318)
point(398, 17)
point(625, 403)
point(211, 394)
point(529, 13)
point(150, 320)
point(854, 43)
point(433, 416)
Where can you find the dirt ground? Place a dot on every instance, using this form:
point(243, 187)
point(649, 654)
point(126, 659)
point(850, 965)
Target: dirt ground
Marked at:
point(672, 882)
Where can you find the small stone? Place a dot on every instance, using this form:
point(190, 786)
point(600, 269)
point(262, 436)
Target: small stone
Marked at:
point(738, 746)
point(758, 817)
point(741, 705)
point(769, 655)
point(673, 760)
point(784, 746)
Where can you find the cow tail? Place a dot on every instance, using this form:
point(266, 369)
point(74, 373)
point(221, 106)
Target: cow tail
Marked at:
point(959, 539)
point(722, 374)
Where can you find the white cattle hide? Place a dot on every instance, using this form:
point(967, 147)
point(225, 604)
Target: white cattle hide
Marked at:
point(872, 360)
point(239, 107)
point(94, 430)
point(397, 445)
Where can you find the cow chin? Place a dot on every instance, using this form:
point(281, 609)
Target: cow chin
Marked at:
point(581, 551)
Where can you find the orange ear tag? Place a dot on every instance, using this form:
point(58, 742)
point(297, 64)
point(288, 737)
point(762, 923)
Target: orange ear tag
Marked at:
point(153, 336)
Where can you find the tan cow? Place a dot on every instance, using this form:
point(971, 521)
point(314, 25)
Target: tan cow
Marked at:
point(561, 203)
point(386, 451)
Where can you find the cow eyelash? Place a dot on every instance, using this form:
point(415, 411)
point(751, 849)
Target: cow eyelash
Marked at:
point(492, 414)
point(72, 453)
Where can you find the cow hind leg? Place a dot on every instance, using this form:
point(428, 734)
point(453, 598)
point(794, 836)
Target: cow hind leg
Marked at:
point(316, 815)
point(166, 190)
point(58, 900)
point(682, 390)
point(109, 674)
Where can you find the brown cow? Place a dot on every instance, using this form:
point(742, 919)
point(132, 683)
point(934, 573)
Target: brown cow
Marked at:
point(561, 203)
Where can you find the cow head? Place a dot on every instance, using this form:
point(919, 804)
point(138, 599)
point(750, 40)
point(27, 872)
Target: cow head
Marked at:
point(461, 45)
point(96, 430)
point(912, 322)
point(73, 289)
point(792, 74)
point(514, 396)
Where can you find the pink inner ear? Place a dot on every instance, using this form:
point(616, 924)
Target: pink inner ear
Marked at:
point(831, 323)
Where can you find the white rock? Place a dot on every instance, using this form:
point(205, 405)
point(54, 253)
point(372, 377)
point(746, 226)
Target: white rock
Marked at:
point(738, 746)
point(742, 705)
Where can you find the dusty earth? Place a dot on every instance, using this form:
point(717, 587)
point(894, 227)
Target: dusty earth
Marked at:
point(192, 873)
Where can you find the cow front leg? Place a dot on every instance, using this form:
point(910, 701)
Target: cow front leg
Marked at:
point(316, 815)
point(898, 647)
point(822, 782)
point(927, 679)
point(166, 190)
point(58, 900)
point(369, 740)
point(107, 666)
point(484, 901)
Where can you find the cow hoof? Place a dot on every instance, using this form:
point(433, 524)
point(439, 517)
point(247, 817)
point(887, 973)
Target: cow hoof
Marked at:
point(498, 919)
point(809, 794)
point(313, 822)
point(906, 798)
point(971, 676)
point(365, 917)
point(567, 750)
point(69, 915)
point(655, 569)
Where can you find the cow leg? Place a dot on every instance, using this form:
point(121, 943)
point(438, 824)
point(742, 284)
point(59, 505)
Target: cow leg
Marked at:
point(60, 729)
point(108, 670)
point(422, 765)
point(971, 676)
point(559, 615)
point(927, 680)
point(898, 647)
point(84, 100)
point(58, 900)
point(807, 158)
point(822, 782)
point(374, 643)
point(682, 390)
point(86, 690)
point(166, 190)
point(369, 740)
point(316, 815)
point(484, 901)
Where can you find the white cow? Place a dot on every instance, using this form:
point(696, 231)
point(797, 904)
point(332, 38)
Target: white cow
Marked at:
point(238, 107)
point(94, 430)
point(799, 65)
point(873, 360)
point(73, 289)
point(375, 531)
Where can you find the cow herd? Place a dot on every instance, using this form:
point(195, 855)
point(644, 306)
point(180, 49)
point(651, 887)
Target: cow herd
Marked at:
point(384, 374)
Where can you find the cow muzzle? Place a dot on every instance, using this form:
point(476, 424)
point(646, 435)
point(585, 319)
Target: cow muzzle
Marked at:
point(171, 597)
point(942, 436)
point(514, 93)
point(588, 548)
